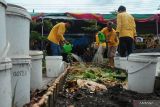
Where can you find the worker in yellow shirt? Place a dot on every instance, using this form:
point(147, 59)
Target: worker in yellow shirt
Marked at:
point(112, 42)
point(56, 35)
point(126, 31)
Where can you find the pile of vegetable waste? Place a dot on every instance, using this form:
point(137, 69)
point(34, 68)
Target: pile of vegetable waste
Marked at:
point(106, 76)
point(90, 86)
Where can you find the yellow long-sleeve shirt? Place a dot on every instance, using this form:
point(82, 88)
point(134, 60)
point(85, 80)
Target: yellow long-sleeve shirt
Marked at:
point(98, 42)
point(57, 32)
point(111, 36)
point(126, 25)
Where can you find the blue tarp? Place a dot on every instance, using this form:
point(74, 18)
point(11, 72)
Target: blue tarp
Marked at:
point(82, 41)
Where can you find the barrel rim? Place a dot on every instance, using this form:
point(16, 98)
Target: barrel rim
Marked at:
point(17, 10)
point(4, 3)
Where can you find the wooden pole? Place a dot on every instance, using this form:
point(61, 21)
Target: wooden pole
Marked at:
point(42, 34)
point(157, 19)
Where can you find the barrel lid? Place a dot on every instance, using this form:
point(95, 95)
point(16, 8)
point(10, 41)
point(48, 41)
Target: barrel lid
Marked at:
point(141, 59)
point(154, 54)
point(35, 53)
point(20, 57)
point(4, 60)
point(13, 9)
point(3, 3)
point(5, 63)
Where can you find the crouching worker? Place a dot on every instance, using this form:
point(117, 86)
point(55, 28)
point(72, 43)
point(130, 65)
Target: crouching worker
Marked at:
point(112, 42)
point(67, 49)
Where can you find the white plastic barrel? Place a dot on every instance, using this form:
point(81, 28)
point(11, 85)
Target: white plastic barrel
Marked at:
point(2, 26)
point(20, 79)
point(18, 30)
point(154, 55)
point(141, 74)
point(53, 65)
point(36, 69)
point(5, 83)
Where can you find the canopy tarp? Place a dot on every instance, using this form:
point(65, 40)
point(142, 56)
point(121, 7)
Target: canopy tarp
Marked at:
point(97, 17)
point(36, 16)
point(138, 17)
point(103, 18)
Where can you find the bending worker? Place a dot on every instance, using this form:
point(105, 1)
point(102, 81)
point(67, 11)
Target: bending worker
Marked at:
point(56, 35)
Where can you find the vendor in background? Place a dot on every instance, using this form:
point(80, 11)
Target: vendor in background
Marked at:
point(112, 42)
point(56, 35)
point(126, 31)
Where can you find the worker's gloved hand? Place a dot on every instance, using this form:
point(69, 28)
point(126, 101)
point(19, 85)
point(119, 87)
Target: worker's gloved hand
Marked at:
point(64, 42)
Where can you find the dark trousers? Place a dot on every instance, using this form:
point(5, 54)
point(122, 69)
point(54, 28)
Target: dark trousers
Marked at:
point(56, 49)
point(126, 46)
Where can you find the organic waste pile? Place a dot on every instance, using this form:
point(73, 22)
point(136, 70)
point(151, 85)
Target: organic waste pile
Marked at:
point(90, 86)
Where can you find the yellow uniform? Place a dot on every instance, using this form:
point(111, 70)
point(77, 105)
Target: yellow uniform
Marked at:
point(57, 32)
point(98, 42)
point(111, 37)
point(126, 25)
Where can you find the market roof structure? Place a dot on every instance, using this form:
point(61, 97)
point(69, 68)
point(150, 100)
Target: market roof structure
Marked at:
point(99, 17)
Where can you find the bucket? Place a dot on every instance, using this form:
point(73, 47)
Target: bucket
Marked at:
point(53, 65)
point(18, 30)
point(62, 67)
point(123, 62)
point(5, 83)
point(36, 69)
point(117, 62)
point(141, 74)
point(2, 26)
point(20, 79)
point(154, 55)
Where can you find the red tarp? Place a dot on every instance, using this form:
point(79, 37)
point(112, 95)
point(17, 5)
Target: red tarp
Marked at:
point(152, 18)
point(97, 17)
point(34, 18)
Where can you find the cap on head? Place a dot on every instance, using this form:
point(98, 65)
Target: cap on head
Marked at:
point(121, 8)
